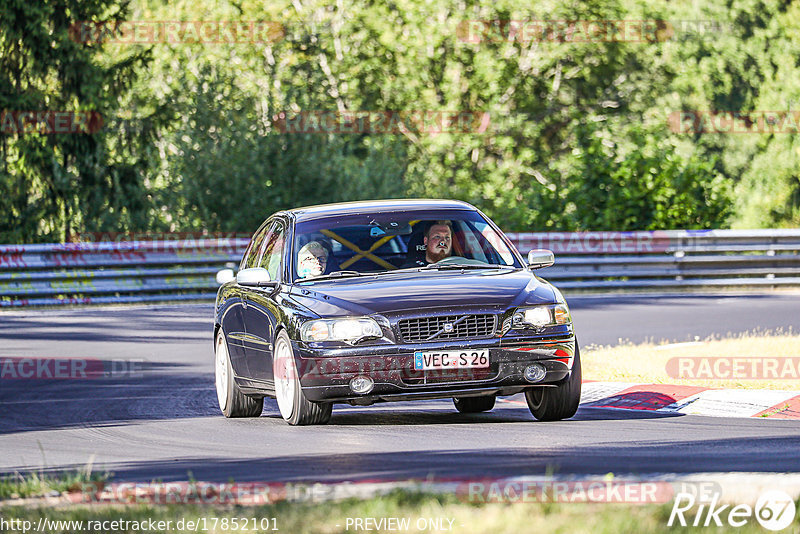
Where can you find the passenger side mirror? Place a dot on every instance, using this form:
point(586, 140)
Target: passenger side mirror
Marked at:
point(224, 276)
point(540, 257)
point(255, 277)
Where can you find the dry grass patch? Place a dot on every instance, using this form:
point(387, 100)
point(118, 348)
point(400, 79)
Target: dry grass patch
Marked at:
point(647, 363)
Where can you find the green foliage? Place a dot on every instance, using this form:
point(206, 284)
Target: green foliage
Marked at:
point(649, 188)
point(271, 171)
point(57, 183)
point(578, 136)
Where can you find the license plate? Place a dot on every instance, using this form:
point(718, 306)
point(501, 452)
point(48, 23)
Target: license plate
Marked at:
point(451, 359)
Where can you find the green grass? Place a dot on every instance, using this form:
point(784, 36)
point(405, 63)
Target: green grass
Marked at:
point(35, 485)
point(331, 517)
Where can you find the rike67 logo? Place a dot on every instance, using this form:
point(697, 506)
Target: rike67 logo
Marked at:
point(774, 510)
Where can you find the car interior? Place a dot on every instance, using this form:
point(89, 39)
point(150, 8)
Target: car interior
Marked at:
point(370, 248)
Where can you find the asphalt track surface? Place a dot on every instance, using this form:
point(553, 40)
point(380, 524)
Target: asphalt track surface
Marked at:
point(165, 424)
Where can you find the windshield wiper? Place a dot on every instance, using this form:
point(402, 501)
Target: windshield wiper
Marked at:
point(458, 266)
point(334, 274)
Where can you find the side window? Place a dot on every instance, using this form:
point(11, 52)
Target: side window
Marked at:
point(251, 256)
point(472, 245)
point(496, 243)
point(273, 250)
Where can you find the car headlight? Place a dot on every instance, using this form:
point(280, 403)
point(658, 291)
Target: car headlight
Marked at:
point(340, 329)
point(561, 314)
point(540, 316)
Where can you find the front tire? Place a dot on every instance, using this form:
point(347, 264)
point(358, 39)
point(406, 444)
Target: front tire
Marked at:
point(560, 402)
point(295, 408)
point(474, 404)
point(232, 401)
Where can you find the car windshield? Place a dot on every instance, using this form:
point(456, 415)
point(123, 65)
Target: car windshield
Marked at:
point(352, 245)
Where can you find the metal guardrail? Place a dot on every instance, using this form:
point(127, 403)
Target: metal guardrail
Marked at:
point(114, 272)
point(669, 259)
point(146, 271)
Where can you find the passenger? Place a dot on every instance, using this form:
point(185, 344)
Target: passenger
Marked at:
point(312, 259)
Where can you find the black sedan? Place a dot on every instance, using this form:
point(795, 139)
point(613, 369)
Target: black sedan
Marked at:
point(366, 302)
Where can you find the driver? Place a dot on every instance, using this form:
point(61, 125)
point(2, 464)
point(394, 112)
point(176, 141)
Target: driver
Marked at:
point(438, 242)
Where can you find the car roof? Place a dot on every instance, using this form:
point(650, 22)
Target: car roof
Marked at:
point(375, 206)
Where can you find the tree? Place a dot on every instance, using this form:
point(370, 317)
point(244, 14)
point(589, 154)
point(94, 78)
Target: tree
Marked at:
point(56, 184)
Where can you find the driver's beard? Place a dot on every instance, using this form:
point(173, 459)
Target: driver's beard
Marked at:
point(435, 255)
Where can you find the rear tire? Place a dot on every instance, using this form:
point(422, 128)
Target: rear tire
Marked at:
point(474, 404)
point(232, 401)
point(295, 408)
point(560, 402)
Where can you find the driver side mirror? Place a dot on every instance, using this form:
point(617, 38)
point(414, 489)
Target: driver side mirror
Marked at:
point(255, 277)
point(540, 257)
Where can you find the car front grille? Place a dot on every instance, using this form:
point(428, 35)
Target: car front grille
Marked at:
point(436, 329)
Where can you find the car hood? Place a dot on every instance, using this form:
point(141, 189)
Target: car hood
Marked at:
point(497, 289)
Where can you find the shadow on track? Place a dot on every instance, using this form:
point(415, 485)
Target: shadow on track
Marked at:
point(724, 455)
point(30, 405)
point(411, 415)
point(166, 392)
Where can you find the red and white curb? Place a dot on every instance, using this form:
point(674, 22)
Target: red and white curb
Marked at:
point(695, 400)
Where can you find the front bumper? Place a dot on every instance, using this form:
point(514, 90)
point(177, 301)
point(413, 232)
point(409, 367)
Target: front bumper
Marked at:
point(325, 372)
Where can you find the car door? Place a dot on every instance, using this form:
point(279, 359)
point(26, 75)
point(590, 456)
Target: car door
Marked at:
point(231, 318)
point(233, 322)
point(261, 314)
